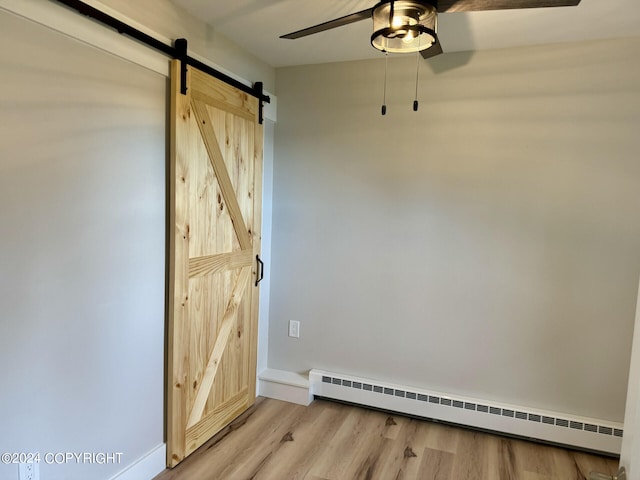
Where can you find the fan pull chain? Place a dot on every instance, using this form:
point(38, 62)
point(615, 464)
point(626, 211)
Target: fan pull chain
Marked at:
point(384, 96)
point(415, 101)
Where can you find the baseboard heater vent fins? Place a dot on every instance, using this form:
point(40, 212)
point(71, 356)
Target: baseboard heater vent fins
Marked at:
point(585, 433)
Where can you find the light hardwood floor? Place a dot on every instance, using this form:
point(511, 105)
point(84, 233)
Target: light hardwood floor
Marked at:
point(328, 441)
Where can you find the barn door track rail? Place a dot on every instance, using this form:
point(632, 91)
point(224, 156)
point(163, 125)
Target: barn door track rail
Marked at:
point(178, 50)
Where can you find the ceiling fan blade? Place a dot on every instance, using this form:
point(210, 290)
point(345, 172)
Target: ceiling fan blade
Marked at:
point(433, 50)
point(338, 22)
point(476, 5)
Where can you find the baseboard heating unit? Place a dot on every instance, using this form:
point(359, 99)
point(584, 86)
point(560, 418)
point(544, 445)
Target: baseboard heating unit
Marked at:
point(558, 428)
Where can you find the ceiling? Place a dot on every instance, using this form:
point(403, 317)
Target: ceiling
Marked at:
point(256, 25)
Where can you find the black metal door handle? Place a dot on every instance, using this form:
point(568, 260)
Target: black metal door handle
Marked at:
point(260, 270)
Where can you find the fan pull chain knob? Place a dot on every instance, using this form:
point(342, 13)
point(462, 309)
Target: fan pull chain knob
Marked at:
point(384, 109)
point(415, 105)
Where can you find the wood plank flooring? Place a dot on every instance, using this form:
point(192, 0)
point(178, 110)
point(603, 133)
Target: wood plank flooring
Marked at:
point(328, 441)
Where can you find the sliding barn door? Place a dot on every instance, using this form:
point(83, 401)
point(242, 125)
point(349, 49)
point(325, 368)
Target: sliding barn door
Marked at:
point(216, 175)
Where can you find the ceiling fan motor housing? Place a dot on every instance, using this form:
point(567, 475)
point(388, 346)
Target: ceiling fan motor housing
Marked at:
point(404, 26)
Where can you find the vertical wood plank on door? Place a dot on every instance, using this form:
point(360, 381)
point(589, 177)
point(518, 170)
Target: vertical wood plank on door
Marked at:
point(178, 329)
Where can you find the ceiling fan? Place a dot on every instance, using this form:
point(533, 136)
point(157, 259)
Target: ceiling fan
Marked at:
point(405, 26)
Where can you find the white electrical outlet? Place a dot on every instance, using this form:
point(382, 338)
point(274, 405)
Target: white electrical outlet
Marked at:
point(294, 328)
point(29, 471)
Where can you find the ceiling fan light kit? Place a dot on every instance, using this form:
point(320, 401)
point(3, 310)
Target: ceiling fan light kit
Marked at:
point(403, 26)
point(397, 22)
point(410, 26)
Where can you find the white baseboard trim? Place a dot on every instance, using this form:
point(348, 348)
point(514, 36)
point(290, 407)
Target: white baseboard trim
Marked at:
point(554, 427)
point(287, 386)
point(146, 467)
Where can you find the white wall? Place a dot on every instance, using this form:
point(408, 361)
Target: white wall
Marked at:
point(82, 187)
point(486, 245)
point(265, 246)
point(82, 277)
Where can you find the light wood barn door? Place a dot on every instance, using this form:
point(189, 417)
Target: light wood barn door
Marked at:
point(215, 210)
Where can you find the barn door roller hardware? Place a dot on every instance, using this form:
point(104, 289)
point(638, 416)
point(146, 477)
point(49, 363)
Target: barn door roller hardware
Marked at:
point(178, 51)
point(181, 54)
